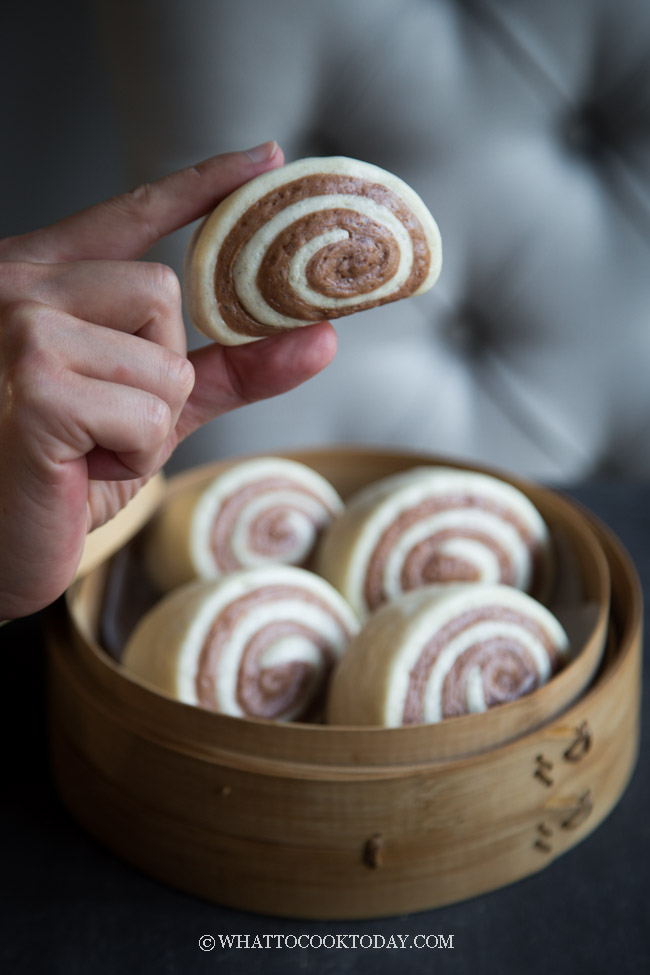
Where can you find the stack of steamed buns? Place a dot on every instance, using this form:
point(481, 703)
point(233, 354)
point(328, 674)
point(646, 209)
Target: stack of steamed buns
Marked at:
point(420, 598)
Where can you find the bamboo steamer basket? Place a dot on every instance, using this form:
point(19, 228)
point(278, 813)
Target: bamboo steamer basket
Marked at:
point(331, 822)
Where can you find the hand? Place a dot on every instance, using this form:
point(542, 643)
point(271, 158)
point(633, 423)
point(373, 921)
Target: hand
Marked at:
point(96, 387)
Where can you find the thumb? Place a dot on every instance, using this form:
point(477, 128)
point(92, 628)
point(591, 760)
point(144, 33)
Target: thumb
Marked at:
point(228, 377)
point(124, 227)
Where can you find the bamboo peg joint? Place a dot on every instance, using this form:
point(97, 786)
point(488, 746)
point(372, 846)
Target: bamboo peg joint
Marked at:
point(581, 744)
point(373, 856)
point(542, 843)
point(581, 812)
point(543, 767)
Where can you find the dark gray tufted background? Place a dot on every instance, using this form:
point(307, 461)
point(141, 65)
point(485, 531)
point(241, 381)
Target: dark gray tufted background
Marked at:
point(525, 126)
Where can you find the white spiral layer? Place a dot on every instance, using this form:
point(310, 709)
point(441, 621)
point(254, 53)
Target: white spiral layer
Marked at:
point(258, 643)
point(318, 238)
point(302, 502)
point(430, 525)
point(248, 263)
point(446, 650)
point(256, 512)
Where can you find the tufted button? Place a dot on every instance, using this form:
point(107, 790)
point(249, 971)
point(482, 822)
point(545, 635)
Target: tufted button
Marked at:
point(583, 132)
point(465, 331)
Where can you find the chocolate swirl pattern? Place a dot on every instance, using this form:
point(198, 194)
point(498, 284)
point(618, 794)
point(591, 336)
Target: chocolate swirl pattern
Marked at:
point(316, 239)
point(444, 651)
point(259, 511)
point(434, 525)
point(258, 643)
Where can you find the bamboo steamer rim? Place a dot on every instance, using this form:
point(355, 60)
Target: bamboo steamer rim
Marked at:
point(341, 846)
point(306, 746)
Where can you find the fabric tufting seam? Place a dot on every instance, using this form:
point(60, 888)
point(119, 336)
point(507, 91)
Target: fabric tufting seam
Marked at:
point(624, 190)
point(521, 57)
point(495, 378)
point(532, 420)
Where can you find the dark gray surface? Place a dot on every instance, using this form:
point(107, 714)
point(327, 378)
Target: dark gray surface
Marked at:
point(60, 150)
point(72, 908)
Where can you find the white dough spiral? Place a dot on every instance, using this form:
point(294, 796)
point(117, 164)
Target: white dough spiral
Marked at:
point(256, 512)
point(319, 238)
point(443, 651)
point(258, 643)
point(431, 525)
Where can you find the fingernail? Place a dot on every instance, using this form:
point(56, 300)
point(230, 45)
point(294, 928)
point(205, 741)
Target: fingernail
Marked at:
point(263, 152)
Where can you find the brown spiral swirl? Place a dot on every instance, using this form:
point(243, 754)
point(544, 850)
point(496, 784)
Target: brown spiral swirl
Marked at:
point(283, 527)
point(321, 238)
point(502, 662)
point(430, 525)
point(278, 667)
point(442, 651)
point(427, 562)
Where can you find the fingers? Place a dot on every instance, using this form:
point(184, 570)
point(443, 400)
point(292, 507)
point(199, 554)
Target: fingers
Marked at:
point(98, 353)
point(228, 377)
point(128, 296)
point(76, 386)
point(76, 306)
point(132, 423)
point(126, 226)
point(127, 360)
point(80, 414)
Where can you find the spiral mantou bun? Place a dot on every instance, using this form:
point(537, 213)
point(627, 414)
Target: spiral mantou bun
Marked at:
point(433, 525)
point(255, 512)
point(258, 643)
point(316, 239)
point(443, 651)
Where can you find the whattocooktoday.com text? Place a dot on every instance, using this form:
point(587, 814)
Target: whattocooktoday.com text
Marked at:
point(391, 942)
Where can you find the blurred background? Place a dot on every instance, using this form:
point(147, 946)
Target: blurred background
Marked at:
point(523, 124)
